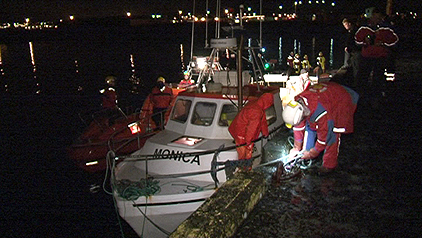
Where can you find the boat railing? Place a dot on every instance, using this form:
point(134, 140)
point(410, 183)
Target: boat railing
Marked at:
point(115, 111)
point(162, 116)
point(142, 124)
point(145, 127)
point(99, 116)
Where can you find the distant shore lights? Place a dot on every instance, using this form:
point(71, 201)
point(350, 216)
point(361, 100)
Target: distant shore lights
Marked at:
point(31, 52)
point(1, 63)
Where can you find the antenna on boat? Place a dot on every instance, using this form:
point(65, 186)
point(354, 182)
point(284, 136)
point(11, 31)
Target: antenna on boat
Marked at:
point(239, 65)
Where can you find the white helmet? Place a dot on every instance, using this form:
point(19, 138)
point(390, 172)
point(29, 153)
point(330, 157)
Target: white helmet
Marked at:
point(293, 113)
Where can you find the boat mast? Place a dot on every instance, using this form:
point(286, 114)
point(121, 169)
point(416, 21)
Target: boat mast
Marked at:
point(260, 24)
point(193, 32)
point(206, 24)
point(239, 65)
point(218, 15)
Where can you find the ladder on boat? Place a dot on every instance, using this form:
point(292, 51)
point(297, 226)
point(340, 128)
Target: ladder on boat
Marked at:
point(257, 65)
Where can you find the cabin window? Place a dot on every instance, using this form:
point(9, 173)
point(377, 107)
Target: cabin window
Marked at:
point(181, 110)
point(271, 115)
point(203, 114)
point(228, 113)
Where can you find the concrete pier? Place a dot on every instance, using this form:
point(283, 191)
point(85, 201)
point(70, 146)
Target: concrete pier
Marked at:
point(226, 209)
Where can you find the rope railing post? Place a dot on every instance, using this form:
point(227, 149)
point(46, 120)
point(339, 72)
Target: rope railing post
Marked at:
point(214, 165)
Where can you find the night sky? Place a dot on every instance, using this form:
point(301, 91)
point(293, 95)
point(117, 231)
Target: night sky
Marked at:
point(56, 9)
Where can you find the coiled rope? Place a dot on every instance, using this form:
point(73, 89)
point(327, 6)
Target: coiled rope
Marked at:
point(131, 190)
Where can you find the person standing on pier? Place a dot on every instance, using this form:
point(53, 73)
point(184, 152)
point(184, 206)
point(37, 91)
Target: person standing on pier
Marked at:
point(351, 49)
point(377, 39)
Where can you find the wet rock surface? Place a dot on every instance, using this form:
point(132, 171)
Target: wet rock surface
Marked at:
point(376, 189)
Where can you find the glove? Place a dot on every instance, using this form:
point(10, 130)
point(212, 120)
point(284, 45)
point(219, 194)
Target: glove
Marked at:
point(293, 153)
point(297, 147)
point(312, 153)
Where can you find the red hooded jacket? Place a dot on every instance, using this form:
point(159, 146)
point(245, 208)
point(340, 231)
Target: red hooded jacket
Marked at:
point(332, 107)
point(251, 120)
point(376, 42)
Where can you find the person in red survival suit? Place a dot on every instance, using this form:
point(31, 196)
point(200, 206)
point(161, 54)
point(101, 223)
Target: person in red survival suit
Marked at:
point(110, 110)
point(109, 95)
point(319, 116)
point(376, 39)
point(160, 97)
point(249, 123)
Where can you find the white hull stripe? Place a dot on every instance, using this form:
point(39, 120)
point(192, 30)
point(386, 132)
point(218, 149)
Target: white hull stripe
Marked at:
point(168, 203)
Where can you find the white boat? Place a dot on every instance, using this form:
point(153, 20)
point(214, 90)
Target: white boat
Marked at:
point(157, 187)
point(177, 162)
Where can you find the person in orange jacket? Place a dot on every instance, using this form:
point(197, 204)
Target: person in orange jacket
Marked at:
point(324, 112)
point(160, 97)
point(249, 123)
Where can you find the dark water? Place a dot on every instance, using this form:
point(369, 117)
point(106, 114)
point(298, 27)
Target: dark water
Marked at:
point(43, 194)
point(62, 60)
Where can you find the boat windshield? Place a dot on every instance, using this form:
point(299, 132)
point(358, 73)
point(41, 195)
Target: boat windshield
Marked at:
point(181, 110)
point(203, 114)
point(228, 113)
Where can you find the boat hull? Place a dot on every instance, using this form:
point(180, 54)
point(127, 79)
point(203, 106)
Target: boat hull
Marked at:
point(163, 214)
point(187, 161)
